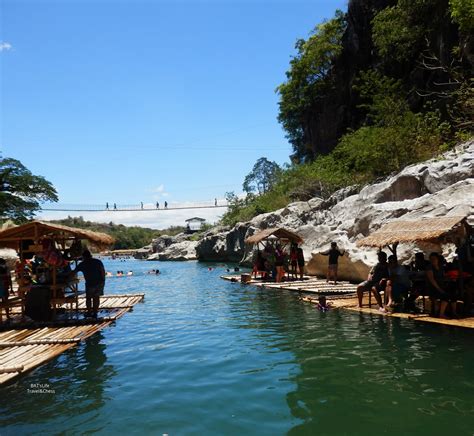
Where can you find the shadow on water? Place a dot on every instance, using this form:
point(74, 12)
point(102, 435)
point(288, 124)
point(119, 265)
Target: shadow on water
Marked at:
point(360, 374)
point(75, 389)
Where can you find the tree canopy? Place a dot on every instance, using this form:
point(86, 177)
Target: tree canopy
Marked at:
point(308, 78)
point(262, 177)
point(21, 191)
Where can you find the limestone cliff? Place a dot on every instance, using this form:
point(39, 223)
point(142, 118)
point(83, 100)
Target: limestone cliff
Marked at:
point(439, 187)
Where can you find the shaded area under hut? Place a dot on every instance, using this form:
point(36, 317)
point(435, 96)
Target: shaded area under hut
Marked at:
point(46, 253)
point(275, 254)
point(441, 281)
point(45, 303)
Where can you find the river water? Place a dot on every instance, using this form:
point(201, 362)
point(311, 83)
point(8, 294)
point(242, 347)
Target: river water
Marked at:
point(206, 356)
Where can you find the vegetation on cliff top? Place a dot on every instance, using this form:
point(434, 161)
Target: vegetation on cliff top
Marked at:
point(411, 101)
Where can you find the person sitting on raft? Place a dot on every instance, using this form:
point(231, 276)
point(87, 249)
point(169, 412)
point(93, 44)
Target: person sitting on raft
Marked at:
point(376, 281)
point(436, 286)
point(334, 255)
point(399, 283)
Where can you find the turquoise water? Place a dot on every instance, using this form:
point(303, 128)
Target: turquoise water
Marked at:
point(204, 356)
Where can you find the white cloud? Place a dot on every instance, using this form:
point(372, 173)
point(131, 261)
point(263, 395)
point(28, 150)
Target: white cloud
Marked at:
point(159, 192)
point(159, 189)
point(5, 46)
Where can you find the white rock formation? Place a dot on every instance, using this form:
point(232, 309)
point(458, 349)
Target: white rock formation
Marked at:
point(439, 187)
point(184, 250)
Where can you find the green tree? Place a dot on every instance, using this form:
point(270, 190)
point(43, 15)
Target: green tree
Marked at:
point(399, 32)
point(462, 13)
point(262, 177)
point(308, 79)
point(21, 192)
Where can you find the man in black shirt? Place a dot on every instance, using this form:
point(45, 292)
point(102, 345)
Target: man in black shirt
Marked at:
point(94, 275)
point(334, 253)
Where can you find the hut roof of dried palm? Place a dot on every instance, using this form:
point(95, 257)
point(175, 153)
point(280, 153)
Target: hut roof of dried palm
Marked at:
point(424, 229)
point(279, 232)
point(38, 229)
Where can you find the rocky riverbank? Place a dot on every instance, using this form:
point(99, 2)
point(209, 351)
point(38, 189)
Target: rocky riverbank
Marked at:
point(439, 187)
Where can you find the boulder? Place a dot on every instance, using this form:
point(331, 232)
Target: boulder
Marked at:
point(212, 247)
point(184, 250)
point(161, 243)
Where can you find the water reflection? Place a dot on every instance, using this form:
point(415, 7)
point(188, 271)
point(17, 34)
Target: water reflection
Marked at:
point(202, 356)
point(353, 367)
point(77, 387)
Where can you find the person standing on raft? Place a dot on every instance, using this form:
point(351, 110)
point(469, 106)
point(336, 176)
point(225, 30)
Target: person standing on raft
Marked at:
point(334, 255)
point(94, 275)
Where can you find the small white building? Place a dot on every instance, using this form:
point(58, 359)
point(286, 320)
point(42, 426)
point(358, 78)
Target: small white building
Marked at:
point(194, 224)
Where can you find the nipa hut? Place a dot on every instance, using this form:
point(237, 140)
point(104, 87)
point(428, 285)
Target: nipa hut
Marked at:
point(443, 230)
point(45, 253)
point(277, 233)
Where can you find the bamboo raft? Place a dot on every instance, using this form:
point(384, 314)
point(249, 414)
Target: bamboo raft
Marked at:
point(310, 285)
point(343, 296)
point(22, 349)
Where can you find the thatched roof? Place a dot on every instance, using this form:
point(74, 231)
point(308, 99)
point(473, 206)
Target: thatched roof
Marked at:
point(38, 229)
point(280, 233)
point(424, 229)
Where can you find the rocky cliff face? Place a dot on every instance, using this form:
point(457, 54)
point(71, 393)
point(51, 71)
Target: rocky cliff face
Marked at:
point(439, 187)
point(337, 110)
point(184, 250)
point(178, 247)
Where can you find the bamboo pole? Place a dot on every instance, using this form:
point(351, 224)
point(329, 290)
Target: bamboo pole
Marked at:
point(5, 370)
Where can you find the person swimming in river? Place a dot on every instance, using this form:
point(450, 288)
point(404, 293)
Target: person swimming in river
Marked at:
point(323, 305)
point(334, 255)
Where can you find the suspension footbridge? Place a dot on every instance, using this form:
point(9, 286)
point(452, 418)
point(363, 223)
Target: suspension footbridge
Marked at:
point(141, 207)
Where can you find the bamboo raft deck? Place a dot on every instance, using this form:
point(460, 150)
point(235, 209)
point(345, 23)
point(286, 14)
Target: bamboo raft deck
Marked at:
point(22, 349)
point(351, 304)
point(310, 285)
point(343, 296)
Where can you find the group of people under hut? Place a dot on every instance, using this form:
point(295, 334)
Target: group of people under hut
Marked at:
point(443, 283)
point(274, 261)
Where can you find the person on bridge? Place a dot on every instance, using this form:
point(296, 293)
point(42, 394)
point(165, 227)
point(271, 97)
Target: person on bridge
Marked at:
point(115, 206)
point(94, 275)
point(166, 205)
point(157, 205)
point(107, 205)
point(141, 204)
point(215, 201)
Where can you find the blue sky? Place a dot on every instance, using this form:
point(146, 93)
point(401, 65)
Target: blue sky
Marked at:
point(129, 101)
